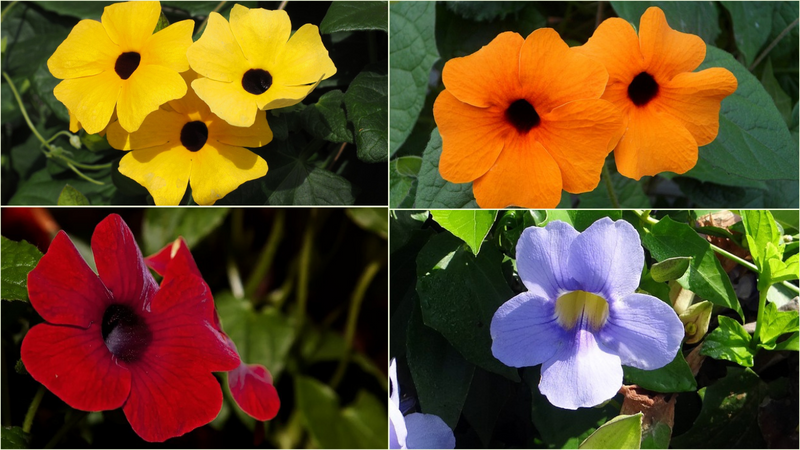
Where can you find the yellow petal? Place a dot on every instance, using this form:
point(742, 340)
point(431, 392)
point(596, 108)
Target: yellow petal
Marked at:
point(86, 51)
point(261, 34)
point(304, 59)
point(217, 54)
point(148, 88)
point(257, 135)
point(218, 169)
point(227, 100)
point(163, 170)
point(90, 99)
point(130, 24)
point(159, 128)
point(190, 104)
point(282, 96)
point(168, 47)
point(667, 52)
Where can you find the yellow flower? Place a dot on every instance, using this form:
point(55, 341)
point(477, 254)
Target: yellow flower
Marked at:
point(253, 64)
point(184, 142)
point(120, 62)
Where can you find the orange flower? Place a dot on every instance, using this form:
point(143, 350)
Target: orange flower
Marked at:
point(670, 110)
point(523, 119)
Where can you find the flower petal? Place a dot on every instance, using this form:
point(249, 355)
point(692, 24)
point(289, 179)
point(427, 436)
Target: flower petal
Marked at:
point(489, 76)
point(218, 169)
point(159, 128)
point(148, 88)
point(257, 135)
point(694, 99)
point(644, 331)
point(472, 138)
point(616, 45)
point(428, 431)
point(86, 51)
point(397, 424)
point(75, 364)
point(64, 290)
point(130, 24)
point(281, 96)
point(251, 387)
point(607, 259)
point(551, 74)
point(217, 54)
point(525, 332)
point(120, 264)
point(304, 59)
point(178, 253)
point(655, 142)
point(91, 99)
point(524, 175)
point(261, 34)
point(667, 52)
point(168, 47)
point(163, 170)
point(229, 101)
point(541, 259)
point(582, 374)
point(577, 136)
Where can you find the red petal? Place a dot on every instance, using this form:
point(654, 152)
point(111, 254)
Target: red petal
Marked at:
point(251, 386)
point(120, 264)
point(75, 364)
point(177, 253)
point(64, 290)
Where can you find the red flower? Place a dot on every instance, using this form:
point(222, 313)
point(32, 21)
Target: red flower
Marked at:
point(250, 384)
point(118, 340)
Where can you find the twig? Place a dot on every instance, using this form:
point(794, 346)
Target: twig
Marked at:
point(772, 45)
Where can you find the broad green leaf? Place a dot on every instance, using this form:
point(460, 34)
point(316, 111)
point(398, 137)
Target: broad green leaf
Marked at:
point(782, 101)
point(485, 11)
point(366, 108)
point(375, 220)
point(163, 225)
point(459, 294)
point(14, 437)
point(43, 83)
point(789, 219)
point(471, 226)
point(785, 51)
point(441, 375)
point(488, 396)
point(354, 16)
point(728, 417)
point(792, 343)
point(402, 187)
point(761, 229)
point(619, 432)
point(705, 276)
point(32, 39)
point(412, 54)
point(200, 9)
point(162, 23)
point(81, 10)
point(775, 324)
point(656, 436)
point(367, 418)
point(752, 23)
point(670, 268)
point(582, 219)
point(674, 377)
point(72, 197)
point(326, 119)
point(19, 258)
point(780, 294)
point(42, 188)
point(753, 141)
point(729, 341)
point(433, 191)
point(629, 193)
point(408, 165)
point(689, 17)
point(781, 270)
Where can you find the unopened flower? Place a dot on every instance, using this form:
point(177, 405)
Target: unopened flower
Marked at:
point(415, 430)
point(522, 119)
point(669, 109)
point(120, 63)
point(117, 340)
point(580, 317)
point(253, 63)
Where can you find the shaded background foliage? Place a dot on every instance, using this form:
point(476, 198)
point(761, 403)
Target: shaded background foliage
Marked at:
point(752, 163)
point(302, 292)
point(329, 149)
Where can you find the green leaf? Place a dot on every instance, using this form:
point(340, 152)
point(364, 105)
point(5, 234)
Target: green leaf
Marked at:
point(366, 418)
point(582, 219)
point(326, 119)
point(366, 108)
point(761, 229)
point(753, 140)
point(471, 226)
point(775, 324)
point(43, 83)
point(402, 188)
point(485, 11)
point(705, 276)
point(162, 23)
point(43, 188)
point(620, 432)
point(459, 294)
point(72, 197)
point(354, 16)
point(698, 18)
point(629, 192)
point(792, 343)
point(433, 191)
point(375, 220)
point(752, 23)
point(14, 437)
point(728, 418)
point(656, 436)
point(670, 268)
point(729, 341)
point(674, 377)
point(81, 10)
point(488, 396)
point(19, 258)
point(163, 225)
point(412, 51)
point(782, 101)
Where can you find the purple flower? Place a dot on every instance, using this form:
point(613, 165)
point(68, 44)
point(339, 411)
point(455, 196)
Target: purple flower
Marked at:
point(580, 318)
point(415, 430)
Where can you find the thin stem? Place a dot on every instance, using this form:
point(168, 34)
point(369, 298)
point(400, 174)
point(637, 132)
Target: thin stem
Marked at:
point(77, 416)
point(37, 399)
point(762, 304)
point(86, 166)
point(352, 317)
point(205, 21)
point(24, 111)
point(267, 255)
point(305, 269)
point(610, 187)
point(772, 45)
point(338, 154)
point(81, 174)
point(64, 132)
point(599, 17)
point(235, 279)
point(282, 5)
point(7, 9)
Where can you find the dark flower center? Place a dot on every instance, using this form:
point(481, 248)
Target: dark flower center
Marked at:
point(127, 64)
point(125, 333)
point(194, 135)
point(522, 115)
point(256, 81)
point(642, 89)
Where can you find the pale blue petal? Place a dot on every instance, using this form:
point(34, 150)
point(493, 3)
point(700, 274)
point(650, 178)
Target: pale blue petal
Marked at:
point(644, 331)
point(397, 423)
point(525, 332)
point(607, 259)
point(428, 431)
point(542, 258)
point(581, 375)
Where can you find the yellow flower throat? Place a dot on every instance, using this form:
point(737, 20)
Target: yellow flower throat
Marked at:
point(576, 306)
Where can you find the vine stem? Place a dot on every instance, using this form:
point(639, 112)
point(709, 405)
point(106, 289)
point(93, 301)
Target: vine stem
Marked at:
point(610, 187)
point(282, 5)
point(37, 399)
point(266, 257)
point(24, 111)
point(762, 305)
point(7, 9)
point(772, 45)
point(304, 271)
